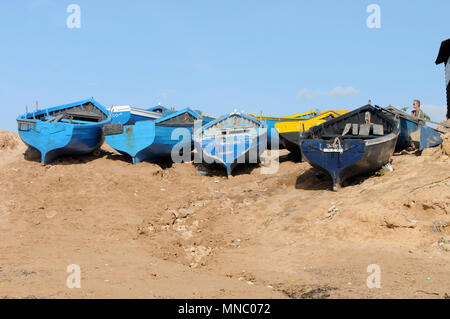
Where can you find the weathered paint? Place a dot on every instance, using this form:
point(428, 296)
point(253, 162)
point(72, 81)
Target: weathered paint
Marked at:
point(54, 139)
point(234, 147)
point(151, 140)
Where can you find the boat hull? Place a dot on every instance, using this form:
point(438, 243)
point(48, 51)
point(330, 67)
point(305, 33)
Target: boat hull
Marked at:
point(352, 144)
point(146, 141)
point(169, 137)
point(358, 157)
point(61, 139)
point(291, 141)
point(418, 134)
point(243, 150)
point(292, 132)
point(65, 130)
point(273, 138)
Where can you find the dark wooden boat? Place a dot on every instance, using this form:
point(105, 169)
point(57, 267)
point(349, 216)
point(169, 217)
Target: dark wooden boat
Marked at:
point(353, 144)
point(291, 133)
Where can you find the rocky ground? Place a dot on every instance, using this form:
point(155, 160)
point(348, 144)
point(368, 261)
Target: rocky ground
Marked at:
point(174, 231)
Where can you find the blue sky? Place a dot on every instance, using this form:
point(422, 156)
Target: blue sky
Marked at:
point(275, 57)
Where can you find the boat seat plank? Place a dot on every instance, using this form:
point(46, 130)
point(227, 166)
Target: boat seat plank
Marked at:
point(84, 114)
point(347, 128)
point(378, 129)
point(56, 118)
point(364, 129)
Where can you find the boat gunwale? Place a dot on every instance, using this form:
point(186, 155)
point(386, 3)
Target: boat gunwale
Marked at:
point(105, 111)
point(201, 130)
point(389, 119)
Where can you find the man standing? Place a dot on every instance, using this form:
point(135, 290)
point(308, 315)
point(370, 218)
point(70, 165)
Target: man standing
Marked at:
point(417, 112)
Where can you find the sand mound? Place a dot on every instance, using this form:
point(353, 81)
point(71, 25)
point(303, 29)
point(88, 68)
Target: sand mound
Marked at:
point(8, 140)
point(446, 144)
point(444, 129)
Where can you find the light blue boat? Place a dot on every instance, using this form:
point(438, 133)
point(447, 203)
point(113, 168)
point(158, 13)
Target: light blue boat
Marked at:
point(231, 140)
point(153, 140)
point(66, 130)
point(414, 131)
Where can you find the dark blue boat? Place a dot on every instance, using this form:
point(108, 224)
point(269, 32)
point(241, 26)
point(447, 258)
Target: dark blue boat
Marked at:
point(414, 131)
point(231, 140)
point(71, 129)
point(355, 143)
point(153, 140)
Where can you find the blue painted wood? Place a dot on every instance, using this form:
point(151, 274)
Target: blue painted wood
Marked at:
point(429, 137)
point(413, 129)
point(228, 142)
point(63, 138)
point(333, 162)
point(152, 139)
point(126, 115)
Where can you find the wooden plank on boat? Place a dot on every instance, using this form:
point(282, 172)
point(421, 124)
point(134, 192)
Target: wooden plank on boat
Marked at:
point(113, 129)
point(347, 128)
point(84, 114)
point(378, 129)
point(57, 118)
point(364, 129)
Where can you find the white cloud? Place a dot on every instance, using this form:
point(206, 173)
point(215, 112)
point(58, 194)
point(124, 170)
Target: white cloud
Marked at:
point(341, 91)
point(337, 91)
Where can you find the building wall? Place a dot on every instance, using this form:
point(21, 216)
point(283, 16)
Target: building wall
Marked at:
point(447, 71)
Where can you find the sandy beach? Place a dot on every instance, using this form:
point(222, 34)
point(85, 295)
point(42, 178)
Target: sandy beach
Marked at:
point(170, 231)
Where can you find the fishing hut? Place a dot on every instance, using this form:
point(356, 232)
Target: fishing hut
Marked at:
point(444, 57)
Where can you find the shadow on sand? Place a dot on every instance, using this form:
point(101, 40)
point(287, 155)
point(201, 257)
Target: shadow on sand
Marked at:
point(314, 179)
point(33, 155)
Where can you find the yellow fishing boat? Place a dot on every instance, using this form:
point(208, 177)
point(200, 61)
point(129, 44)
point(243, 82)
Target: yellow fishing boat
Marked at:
point(291, 132)
point(271, 121)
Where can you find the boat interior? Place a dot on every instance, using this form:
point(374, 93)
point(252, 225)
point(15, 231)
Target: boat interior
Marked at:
point(232, 125)
point(183, 119)
point(80, 114)
point(359, 124)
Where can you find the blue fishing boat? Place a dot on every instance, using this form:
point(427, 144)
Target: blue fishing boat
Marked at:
point(414, 131)
point(127, 115)
point(231, 140)
point(153, 140)
point(355, 143)
point(71, 129)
